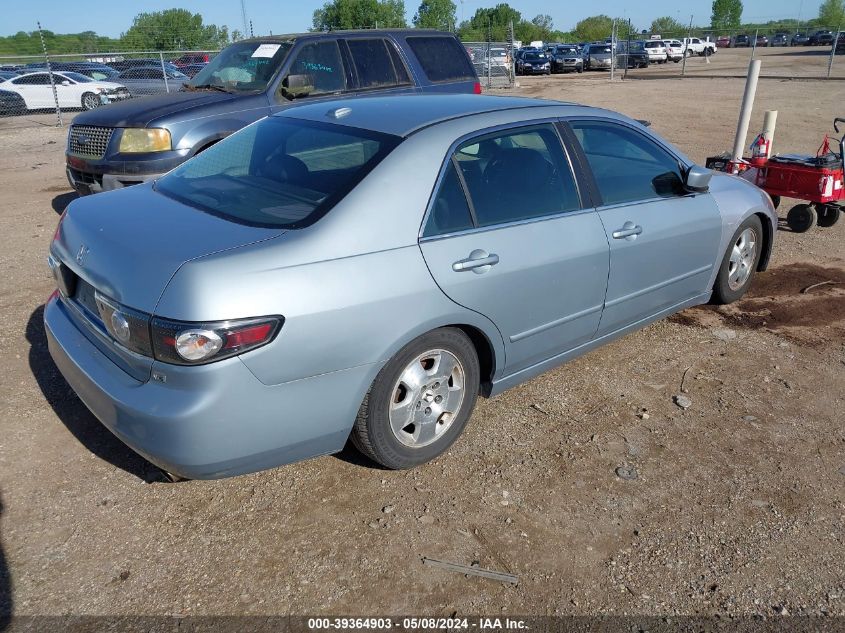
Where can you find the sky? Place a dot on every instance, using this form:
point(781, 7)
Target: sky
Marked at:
point(286, 16)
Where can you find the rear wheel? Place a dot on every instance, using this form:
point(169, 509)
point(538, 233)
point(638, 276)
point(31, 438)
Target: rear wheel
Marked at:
point(828, 215)
point(420, 401)
point(801, 218)
point(739, 262)
point(90, 101)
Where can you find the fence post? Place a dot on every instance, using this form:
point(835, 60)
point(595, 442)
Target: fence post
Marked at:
point(163, 71)
point(59, 122)
point(686, 48)
point(833, 51)
point(627, 51)
point(612, 49)
point(754, 45)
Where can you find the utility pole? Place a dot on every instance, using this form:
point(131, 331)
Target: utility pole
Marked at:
point(243, 16)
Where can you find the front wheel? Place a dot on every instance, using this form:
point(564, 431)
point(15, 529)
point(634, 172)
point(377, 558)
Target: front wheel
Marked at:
point(801, 218)
point(739, 263)
point(420, 401)
point(90, 101)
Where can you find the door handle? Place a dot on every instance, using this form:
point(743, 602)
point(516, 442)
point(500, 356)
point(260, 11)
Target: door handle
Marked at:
point(479, 261)
point(629, 231)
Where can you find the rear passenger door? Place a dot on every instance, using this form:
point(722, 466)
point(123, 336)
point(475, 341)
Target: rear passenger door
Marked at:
point(508, 235)
point(664, 240)
point(377, 66)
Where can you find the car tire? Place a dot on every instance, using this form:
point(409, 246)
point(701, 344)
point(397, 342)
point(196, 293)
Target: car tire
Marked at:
point(828, 215)
point(89, 101)
point(739, 262)
point(579, 69)
point(414, 376)
point(801, 218)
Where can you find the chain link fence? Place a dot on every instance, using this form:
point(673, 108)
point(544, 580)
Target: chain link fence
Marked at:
point(494, 63)
point(38, 85)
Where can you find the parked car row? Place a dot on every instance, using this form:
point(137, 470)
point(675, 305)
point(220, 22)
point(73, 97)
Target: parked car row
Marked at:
point(782, 38)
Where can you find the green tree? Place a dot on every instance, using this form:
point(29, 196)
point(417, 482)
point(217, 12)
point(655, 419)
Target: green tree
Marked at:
point(491, 22)
point(595, 27)
point(726, 14)
point(435, 14)
point(667, 25)
point(356, 14)
point(832, 13)
point(173, 29)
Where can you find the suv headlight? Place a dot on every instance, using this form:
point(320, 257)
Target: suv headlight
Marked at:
point(140, 140)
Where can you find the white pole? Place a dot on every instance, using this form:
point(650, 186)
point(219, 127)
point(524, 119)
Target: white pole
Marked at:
point(745, 110)
point(770, 119)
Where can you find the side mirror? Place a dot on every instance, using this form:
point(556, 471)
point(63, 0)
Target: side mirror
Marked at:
point(295, 86)
point(65, 82)
point(698, 179)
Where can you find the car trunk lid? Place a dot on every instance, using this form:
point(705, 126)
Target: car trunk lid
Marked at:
point(127, 245)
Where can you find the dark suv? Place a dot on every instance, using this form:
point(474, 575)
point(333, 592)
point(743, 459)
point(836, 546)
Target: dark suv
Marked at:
point(135, 141)
point(821, 38)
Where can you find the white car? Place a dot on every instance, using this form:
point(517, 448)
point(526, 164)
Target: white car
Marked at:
point(674, 50)
point(72, 89)
point(656, 51)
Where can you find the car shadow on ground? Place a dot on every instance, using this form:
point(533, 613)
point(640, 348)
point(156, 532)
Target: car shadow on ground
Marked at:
point(74, 414)
point(822, 51)
point(352, 455)
point(61, 201)
point(5, 586)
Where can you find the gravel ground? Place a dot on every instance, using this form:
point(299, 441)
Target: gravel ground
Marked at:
point(590, 483)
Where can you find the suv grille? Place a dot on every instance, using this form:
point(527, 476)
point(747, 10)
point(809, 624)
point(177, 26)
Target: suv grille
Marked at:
point(87, 140)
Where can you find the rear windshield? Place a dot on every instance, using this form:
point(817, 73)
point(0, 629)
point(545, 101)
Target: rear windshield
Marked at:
point(442, 58)
point(278, 172)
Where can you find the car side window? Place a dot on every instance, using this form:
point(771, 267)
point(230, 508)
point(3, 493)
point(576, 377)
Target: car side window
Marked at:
point(41, 79)
point(374, 64)
point(517, 175)
point(626, 165)
point(449, 210)
point(318, 68)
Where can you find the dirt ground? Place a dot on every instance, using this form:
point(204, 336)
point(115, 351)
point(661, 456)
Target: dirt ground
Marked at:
point(737, 505)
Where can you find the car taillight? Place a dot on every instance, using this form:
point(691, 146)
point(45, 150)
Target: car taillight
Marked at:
point(59, 226)
point(129, 328)
point(184, 343)
point(476, 89)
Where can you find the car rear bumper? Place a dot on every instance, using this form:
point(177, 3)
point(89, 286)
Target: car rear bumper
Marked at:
point(208, 421)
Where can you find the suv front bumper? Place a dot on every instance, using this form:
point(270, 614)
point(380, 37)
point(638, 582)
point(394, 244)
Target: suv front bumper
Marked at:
point(95, 175)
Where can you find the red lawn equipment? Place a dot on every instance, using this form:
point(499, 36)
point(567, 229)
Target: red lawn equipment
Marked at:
point(819, 180)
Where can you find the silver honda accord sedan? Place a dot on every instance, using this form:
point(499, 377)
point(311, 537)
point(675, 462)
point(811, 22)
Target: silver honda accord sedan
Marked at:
point(363, 269)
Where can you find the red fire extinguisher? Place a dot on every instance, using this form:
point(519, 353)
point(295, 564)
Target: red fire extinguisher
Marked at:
point(759, 150)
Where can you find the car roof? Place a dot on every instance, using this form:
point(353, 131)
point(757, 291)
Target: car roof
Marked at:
point(403, 115)
point(340, 33)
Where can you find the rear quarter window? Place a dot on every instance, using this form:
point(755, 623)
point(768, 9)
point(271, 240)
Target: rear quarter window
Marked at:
point(442, 58)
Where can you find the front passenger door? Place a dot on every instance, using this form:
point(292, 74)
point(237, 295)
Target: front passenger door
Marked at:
point(664, 240)
point(317, 71)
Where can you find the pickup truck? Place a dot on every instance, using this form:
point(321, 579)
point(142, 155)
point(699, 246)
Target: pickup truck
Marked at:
point(137, 140)
point(697, 46)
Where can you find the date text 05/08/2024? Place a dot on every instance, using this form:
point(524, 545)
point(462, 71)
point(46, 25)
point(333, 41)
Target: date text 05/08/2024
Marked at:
point(416, 623)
